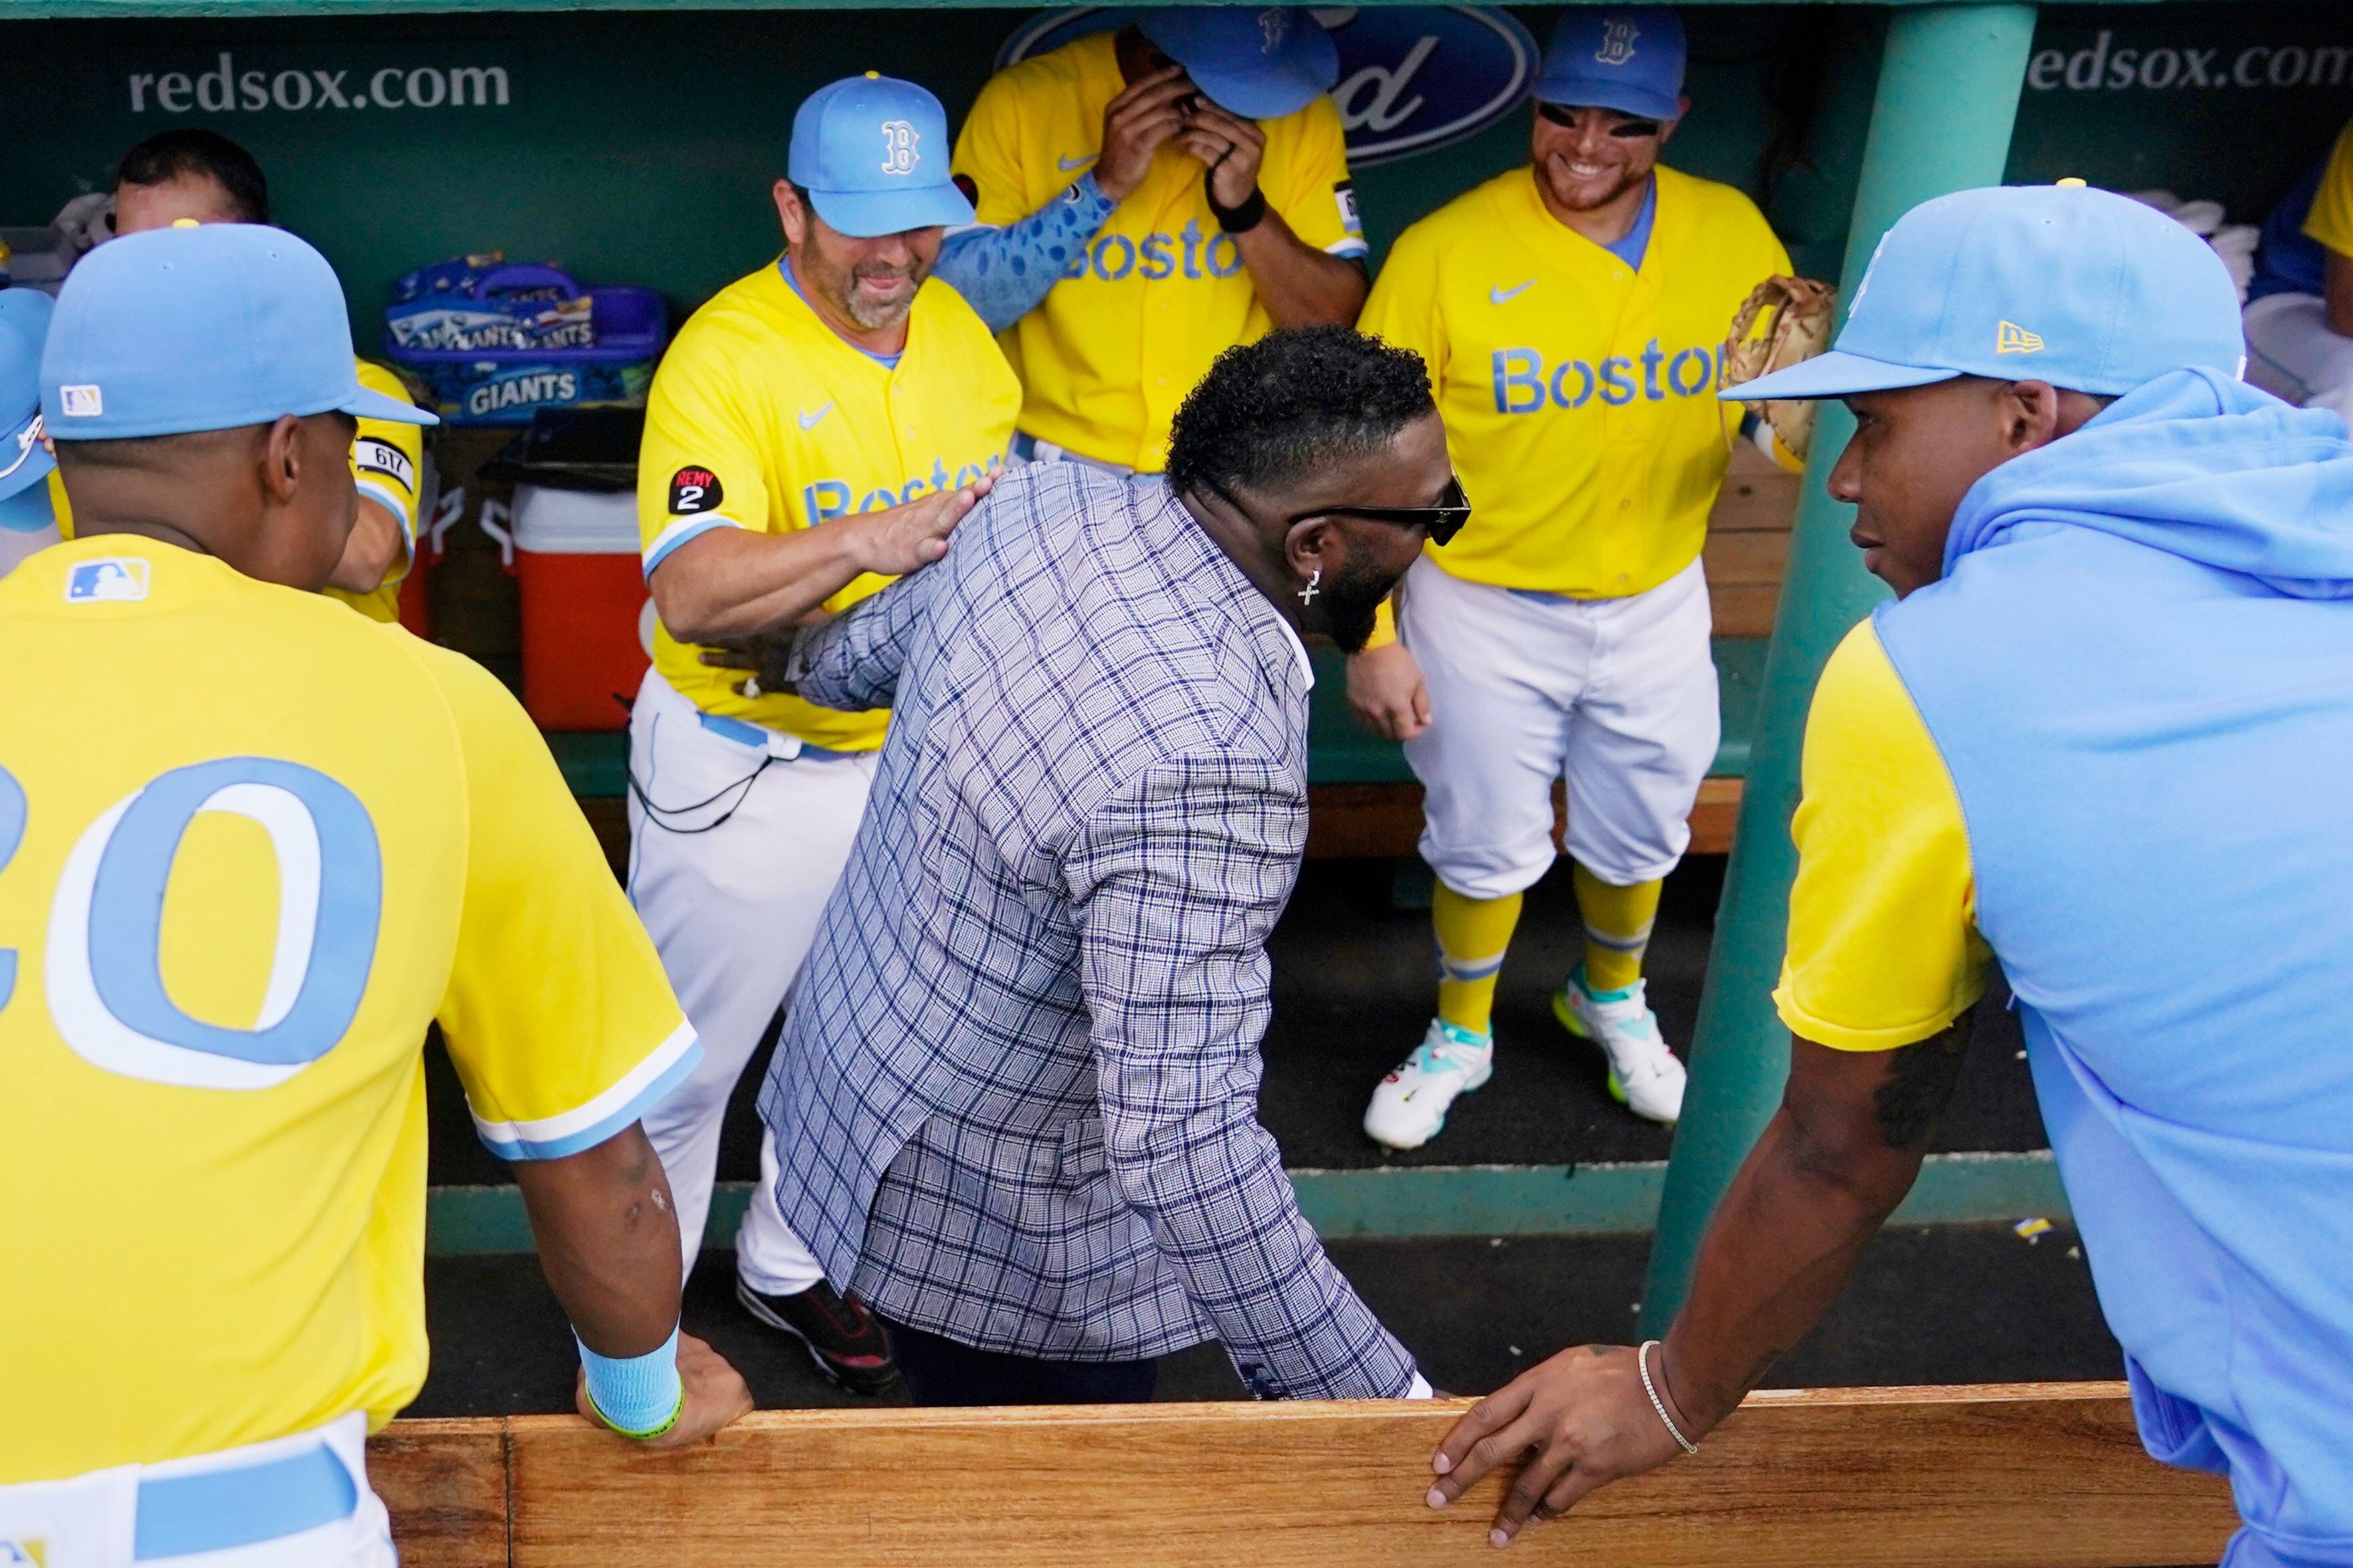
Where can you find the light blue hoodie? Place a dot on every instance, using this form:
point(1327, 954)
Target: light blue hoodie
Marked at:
point(2139, 670)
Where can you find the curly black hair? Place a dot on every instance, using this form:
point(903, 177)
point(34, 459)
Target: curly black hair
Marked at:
point(193, 149)
point(1269, 411)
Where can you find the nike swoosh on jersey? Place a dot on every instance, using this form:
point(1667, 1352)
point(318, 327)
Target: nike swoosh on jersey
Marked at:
point(1499, 296)
point(1070, 164)
point(809, 420)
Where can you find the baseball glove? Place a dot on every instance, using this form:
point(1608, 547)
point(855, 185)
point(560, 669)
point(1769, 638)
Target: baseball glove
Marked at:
point(1784, 321)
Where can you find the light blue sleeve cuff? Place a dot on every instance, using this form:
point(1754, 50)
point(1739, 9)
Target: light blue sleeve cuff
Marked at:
point(638, 1397)
point(585, 1127)
point(679, 531)
point(1005, 273)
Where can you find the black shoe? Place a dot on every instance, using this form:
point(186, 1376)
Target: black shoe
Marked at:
point(841, 1336)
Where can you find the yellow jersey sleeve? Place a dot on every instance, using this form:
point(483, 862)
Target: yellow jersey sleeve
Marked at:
point(699, 466)
point(1312, 191)
point(2330, 221)
point(988, 153)
point(1404, 307)
point(1884, 950)
point(387, 465)
point(561, 1023)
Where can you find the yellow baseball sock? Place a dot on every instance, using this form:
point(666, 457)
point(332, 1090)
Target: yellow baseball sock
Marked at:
point(1617, 928)
point(1472, 936)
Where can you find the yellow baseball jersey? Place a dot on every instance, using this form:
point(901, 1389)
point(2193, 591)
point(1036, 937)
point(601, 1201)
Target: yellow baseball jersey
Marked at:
point(250, 845)
point(2330, 221)
point(1884, 947)
point(1134, 321)
point(761, 418)
point(1579, 394)
point(386, 458)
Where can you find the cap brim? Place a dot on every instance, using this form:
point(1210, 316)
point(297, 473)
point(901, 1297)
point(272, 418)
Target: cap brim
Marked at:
point(36, 467)
point(1257, 95)
point(1586, 93)
point(866, 214)
point(369, 403)
point(1833, 374)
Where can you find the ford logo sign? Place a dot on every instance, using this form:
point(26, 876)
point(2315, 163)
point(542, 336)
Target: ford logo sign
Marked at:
point(1413, 78)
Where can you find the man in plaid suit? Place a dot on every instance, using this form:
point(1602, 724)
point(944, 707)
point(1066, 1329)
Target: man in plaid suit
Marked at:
point(1014, 1102)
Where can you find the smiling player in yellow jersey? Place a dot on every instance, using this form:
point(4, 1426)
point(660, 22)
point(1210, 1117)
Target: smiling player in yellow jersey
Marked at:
point(1218, 206)
point(228, 911)
point(1570, 314)
point(815, 429)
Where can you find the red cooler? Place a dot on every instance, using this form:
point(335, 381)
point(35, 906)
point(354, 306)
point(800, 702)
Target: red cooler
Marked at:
point(588, 621)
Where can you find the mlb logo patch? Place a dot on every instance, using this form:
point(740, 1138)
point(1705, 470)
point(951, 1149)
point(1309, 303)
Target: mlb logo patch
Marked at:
point(31, 1549)
point(80, 402)
point(112, 580)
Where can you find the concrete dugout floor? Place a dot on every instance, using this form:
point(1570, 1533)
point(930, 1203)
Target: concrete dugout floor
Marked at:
point(1948, 1304)
point(1355, 985)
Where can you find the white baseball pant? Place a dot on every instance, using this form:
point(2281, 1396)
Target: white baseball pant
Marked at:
point(258, 1506)
point(730, 873)
point(1616, 697)
point(2291, 354)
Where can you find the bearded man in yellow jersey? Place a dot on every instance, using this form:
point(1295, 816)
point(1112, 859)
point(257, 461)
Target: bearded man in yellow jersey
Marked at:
point(1215, 205)
point(192, 175)
point(1570, 314)
point(232, 898)
point(814, 430)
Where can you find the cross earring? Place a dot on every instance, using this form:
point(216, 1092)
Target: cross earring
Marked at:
point(1307, 595)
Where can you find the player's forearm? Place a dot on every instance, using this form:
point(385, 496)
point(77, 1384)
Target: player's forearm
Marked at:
point(731, 584)
point(373, 551)
point(1005, 273)
point(607, 1241)
point(1781, 1247)
point(1301, 286)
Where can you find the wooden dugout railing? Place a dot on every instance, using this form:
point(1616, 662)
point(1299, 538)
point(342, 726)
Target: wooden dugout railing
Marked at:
point(2006, 1475)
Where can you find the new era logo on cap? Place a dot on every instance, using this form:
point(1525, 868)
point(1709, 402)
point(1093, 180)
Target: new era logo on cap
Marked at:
point(80, 402)
point(109, 579)
point(2010, 338)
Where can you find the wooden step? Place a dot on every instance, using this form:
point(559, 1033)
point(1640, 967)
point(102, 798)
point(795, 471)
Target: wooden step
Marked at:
point(2006, 1475)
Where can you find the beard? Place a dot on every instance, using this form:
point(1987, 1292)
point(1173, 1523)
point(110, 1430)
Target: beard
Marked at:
point(1590, 195)
point(1352, 601)
point(840, 288)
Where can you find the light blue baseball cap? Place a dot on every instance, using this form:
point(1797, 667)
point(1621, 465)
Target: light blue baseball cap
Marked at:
point(1261, 62)
point(873, 152)
point(209, 327)
point(1628, 58)
point(2085, 290)
point(24, 325)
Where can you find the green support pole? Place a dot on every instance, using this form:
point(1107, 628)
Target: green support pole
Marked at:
point(1948, 89)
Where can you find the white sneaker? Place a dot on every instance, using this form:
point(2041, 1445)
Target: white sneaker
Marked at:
point(1409, 1105)
point(1644, 1075)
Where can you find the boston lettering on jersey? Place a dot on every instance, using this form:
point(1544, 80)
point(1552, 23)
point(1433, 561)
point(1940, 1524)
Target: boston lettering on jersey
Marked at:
point(830, 497)
point(1184, 254)
point(1526, 383)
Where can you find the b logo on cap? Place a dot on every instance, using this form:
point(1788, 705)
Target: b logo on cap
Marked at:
point(1272, 24)
point(898, 147)
point(1617, 43)
point(2010, 338)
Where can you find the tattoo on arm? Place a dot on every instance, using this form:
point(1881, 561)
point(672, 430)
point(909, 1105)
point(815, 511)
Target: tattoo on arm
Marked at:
point(1920, 1084)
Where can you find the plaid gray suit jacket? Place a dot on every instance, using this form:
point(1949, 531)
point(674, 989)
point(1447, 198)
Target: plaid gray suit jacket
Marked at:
point(1015, 1100)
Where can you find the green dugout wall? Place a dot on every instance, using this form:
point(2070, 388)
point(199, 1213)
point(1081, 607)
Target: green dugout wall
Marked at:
point(637, 143)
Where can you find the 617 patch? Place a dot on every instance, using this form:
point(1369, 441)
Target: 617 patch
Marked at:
point(692, 490)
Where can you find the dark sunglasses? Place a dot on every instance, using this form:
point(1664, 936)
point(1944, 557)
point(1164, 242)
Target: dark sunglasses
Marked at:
point(1444, 521)
point(1624, 131)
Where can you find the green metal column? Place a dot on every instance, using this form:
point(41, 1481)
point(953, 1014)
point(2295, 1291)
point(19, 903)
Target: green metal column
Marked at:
point(1948, 89)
